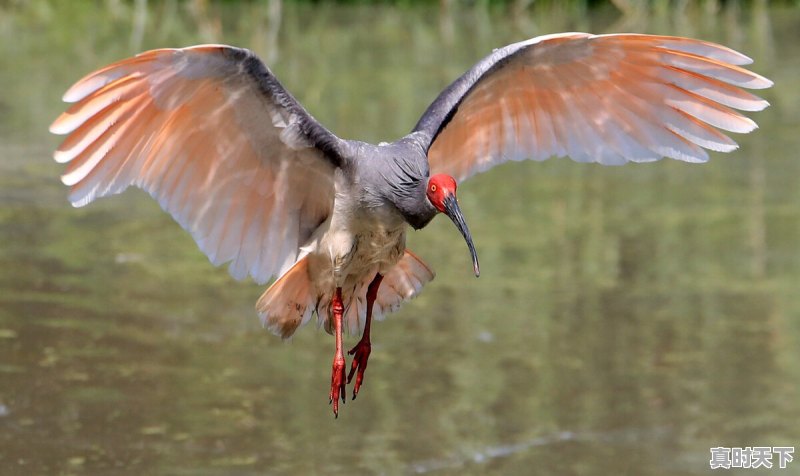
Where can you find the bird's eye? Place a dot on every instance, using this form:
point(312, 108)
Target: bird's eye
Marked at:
point(433, 187)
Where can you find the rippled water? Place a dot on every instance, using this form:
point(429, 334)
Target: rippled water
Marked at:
point(627, 319)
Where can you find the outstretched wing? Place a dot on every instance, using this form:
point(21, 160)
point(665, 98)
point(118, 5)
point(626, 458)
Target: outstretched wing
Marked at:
point(211, 134)
point(609, 99)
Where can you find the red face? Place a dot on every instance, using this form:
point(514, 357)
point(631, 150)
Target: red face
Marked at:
point(442, 195)
point(439, 187)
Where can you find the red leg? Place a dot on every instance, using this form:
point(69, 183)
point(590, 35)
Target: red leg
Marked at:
point(337, 377)
point(363, 348)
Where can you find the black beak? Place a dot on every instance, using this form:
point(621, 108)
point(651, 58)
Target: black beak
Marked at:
point(452, 210)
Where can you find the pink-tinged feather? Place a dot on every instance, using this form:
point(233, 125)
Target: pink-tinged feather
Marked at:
point(289, 302)
point(77, 115)
point(713, 90)
point(728, 73)
point(191, 127)
point(709, 112)
point(687, 45)
point(89, 132)
point(403, 282)
point(608, 99)
point(138, 65)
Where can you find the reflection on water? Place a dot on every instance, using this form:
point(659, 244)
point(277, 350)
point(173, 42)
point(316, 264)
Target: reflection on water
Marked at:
point(627, 319)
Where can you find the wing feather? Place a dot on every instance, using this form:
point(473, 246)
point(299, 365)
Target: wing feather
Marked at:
point(212, 135)
point(609, 99)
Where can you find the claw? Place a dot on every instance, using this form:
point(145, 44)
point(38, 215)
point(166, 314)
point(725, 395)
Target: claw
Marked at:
point(362, 350)
point(338, 383)
point(360, 357)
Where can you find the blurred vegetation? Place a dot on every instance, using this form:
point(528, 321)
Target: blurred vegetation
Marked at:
point(627, 319)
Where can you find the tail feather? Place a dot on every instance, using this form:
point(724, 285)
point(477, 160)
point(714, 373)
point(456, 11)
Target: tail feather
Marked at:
point(403, 282)
point(288, 303)
point(291, 300)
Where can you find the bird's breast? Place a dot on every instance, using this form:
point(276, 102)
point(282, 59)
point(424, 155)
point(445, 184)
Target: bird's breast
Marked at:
point(381, 245)
point(357, 245)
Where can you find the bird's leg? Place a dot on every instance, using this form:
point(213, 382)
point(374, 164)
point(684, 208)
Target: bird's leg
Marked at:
point(337, 377)
point(363, 348)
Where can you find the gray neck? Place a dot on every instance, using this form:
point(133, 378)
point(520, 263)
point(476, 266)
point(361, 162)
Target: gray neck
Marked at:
point(397, 174)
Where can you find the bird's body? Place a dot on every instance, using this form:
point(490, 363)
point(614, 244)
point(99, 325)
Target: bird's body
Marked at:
point(212, 135)
point(353, 249)
point(364, 235)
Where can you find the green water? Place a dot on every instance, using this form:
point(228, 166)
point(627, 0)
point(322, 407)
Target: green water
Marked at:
point(626, 320)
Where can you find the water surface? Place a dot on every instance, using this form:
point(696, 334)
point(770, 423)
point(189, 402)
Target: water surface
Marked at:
point(627, 319)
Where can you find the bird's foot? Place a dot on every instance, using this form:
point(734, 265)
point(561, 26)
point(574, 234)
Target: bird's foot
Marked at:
point(338, 383)
point(360, 355)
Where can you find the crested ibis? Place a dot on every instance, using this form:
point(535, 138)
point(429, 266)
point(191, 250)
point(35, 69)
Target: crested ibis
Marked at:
point(212, 135)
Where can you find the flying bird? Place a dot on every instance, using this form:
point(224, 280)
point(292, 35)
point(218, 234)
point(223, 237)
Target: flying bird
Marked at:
point(211, 133)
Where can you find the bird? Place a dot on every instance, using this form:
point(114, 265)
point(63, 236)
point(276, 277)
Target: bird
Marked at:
point(238, 162)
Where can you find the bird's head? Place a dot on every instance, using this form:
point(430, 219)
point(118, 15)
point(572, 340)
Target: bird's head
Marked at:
point(441, 193)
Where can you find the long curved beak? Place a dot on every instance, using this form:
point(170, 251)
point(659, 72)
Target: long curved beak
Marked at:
point(452, 210)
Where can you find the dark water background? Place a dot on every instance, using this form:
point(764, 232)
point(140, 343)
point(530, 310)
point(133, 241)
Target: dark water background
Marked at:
point(627, 319)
